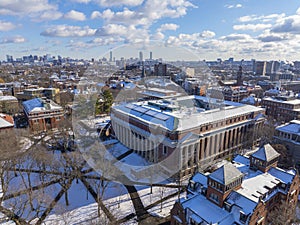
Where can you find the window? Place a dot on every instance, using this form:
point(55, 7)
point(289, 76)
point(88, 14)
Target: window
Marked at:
point(165, 150)
point(243, 217)
point(214, 197)
point(227, 206)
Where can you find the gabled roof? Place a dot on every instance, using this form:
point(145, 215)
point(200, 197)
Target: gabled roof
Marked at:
point(266, 153)
point(4, 123)
point(226, 174)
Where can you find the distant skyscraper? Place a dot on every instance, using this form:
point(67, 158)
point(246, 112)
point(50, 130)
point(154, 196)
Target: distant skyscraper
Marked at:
point(239, 80)
point(150, 55)
point(110, 56)
point(9, 58)
point(141, 56)
point(160, 69)
point(260, 68)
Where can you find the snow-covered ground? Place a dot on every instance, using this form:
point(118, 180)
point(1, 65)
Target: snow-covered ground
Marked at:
point(119, 206)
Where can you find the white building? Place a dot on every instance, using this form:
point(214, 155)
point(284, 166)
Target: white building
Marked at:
point(186, 133)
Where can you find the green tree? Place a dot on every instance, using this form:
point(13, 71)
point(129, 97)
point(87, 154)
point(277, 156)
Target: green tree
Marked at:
point(104, 103)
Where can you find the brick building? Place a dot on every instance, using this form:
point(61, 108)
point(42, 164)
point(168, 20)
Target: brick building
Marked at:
point(186, 133)
point(251, 190)
point(289, 135)
point(282, 108)
point(42, 114)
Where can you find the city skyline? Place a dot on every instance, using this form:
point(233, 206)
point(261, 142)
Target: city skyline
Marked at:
point(241, 29)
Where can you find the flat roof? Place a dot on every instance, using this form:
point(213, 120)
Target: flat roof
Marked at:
point(292, 127)
point(8, 98)
point(292, 102)
point(183, 118)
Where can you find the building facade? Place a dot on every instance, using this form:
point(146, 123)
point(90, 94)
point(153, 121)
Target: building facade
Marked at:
point(188, 133)
point(42, 114)
point(282, 108)
point(289, 135)
point(9, 104)
point(31, 93)
point(251, 190)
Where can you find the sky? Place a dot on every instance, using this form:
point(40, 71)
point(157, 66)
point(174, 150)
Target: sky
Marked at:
point(206, 29)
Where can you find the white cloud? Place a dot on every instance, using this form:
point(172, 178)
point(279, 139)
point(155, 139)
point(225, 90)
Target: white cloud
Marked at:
point(289, 24)
point(157, 9)
point(68, 31)
point(130, 34)
point(207, 34)
point(146, 14)
point(158, 36)
point(271, 37)
point(263, 18)
point(6, 26)
point(168, 26)
point(112, 29)
point(234, 6)
point(75, 15)
point(119, 2)
point(96, 15)
point(25, 7)
point(105, 41)
point(15, 39)
point(49, 15)
point(236, 37)
point(253, 27)
point(81, 1)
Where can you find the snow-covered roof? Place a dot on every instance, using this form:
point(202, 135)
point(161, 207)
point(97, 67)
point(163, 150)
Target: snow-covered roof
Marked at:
point(38, 105)
point(8, 98)
point(293, 127)
point(205, 209)
point(226, 174)
point(4, 123)
point(245, 204)
point(200, 178)
point(266, 153)
point(182, 117)
point(292, 102)
point(256, 186)
point(284, 176)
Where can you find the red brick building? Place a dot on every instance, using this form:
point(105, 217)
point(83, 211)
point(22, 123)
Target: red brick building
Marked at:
point(42, 114)
point(251, 191)
point(282, 108)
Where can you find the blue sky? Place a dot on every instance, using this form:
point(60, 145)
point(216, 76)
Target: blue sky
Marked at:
point(244, 29)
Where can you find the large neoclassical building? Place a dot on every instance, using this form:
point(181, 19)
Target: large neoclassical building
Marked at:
point(186, 133)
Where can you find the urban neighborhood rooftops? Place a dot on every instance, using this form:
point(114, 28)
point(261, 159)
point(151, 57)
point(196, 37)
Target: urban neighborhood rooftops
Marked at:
point(256, 187)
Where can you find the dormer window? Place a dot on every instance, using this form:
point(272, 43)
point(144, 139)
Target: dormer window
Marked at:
point(192, 185)
point(243, 217)
point(283, 186)
point(227, 206)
